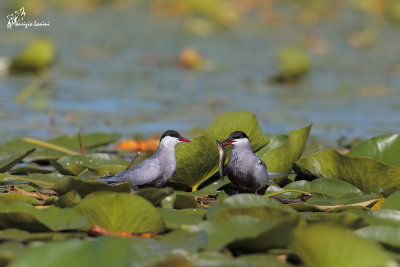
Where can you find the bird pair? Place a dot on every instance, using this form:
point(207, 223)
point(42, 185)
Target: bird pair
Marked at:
point(244, 169)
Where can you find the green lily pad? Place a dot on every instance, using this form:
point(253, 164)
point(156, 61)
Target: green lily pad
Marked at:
point(328, 245)
point(385, 149)
point(381, 217)
point(8, 163)
point(192, 171)
point(392, 202)
point(277, 236)
point(176, 218)
point(12, 234)
point(155, 195)
point(10, 251)
point(281, 157)
point(348, 219)
point(11, 198)
point(74, 165)
point(26, 217)
point(100, 252)
point(246, 204)
point(365, 173)
point(331, 187)
point(37, 56)
point(121, 212)
point(184, 201)
point(89, 141)
point(221, 233)
point(388, 235)
point(84, 188)
point(68, 200)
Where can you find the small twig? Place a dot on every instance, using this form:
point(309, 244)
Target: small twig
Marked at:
point(83, 152)
point(133, 160)
point(49, 145)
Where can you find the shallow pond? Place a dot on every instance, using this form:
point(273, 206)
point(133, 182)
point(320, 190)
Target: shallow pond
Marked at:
point(102, 80)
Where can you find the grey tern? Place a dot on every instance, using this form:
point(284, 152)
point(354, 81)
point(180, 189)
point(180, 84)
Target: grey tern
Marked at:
point(244, 169)
point(154, 171)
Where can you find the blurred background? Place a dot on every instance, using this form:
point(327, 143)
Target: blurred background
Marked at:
point(133, 66)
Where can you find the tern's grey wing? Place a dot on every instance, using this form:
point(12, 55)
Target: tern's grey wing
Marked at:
point(145, 172)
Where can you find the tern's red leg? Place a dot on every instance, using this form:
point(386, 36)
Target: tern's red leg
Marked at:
point(237, 192)
point(256, 192)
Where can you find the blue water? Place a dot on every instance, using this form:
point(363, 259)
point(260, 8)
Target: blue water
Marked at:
point(99, 82)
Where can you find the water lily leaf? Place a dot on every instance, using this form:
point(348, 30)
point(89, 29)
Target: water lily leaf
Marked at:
point(37, 56)
point(86, 187)
point(331, 187)
point(184, 201)
point(212, 188)
point(388, 235)
point(322, 245)
point(198, 161)
point(89, 141)
point(15, 179)
point(281, 158)
point(385, 149)
point(155, 195)
point(27, 217)
point(277, 236)
point(9, 251)
point(68, 200)
point(8, 163)
point(381, 217)
point(392, 202)
point(121, 212)
point(32, 168)
point(221, 233)
point(18, 235)
point(104, 251)
point(176, 218)
point(69, 141)
point(346, 219)
point(11, 198)
point(74, 165)
point(243, 203)
point(365, 173)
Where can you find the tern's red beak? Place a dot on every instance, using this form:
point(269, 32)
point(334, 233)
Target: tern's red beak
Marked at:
point(227, 142)
point(184, 140)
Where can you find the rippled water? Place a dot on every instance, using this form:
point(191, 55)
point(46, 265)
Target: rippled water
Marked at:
point(99, 82)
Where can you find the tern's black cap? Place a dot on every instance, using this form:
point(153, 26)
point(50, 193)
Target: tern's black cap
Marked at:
point(171, 133)
point(237, 135)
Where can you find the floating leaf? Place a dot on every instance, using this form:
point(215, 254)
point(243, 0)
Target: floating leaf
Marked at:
point(105, 251)
point(74, 165)
point(243, 203)
point(68, 200)
point(86, 187)
point(221, 233)
point(277, 236)
point(37, 56)
point(12, 234)
point(198, 161)
point(382, 233)
point(27, 217)
point(7, 164)
point(154, 195)
point(175, 218)
point(9, 251)
point(121, 212)
point(281, 158)
point(327, 245)
point(330, 187)
point(184, 201)
point(365, 173)
point(392, 202)
point(385, 149)
point(11, 198)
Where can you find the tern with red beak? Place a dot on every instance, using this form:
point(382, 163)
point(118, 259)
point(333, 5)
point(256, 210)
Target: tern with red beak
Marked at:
point(245, 169)
point(154, 171)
